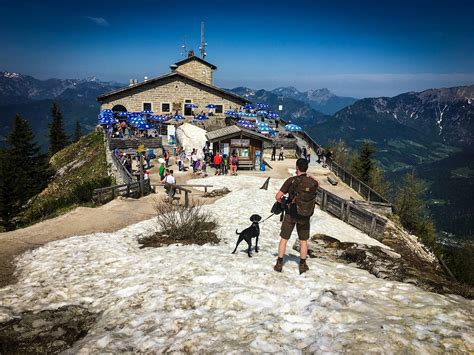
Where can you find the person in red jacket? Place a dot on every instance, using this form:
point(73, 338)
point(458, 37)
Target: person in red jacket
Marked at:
point(217, 163)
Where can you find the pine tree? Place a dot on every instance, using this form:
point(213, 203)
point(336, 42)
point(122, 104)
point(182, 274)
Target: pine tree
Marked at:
point(9, 206)
point(57, 135)
point(363, 163)
point(77, 131)
point(24, 171)
point(411, 209)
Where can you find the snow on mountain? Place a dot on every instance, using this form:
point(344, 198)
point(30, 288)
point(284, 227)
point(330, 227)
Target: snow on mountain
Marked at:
point(190, 298)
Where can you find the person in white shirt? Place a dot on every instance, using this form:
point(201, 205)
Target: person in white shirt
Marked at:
point(169, 182)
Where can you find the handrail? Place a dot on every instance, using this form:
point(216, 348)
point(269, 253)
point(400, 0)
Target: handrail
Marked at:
point(339, 170)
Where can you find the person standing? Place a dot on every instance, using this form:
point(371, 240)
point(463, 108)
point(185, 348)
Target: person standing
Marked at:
point(308, 156)
point(234, 161)
point(301, 201)
point(167, 157)
point(194, 160)
point(217, 163)
point(282, 153)
point(170, 182)
point(161, 171)
point(318, 153)
point(274, 149)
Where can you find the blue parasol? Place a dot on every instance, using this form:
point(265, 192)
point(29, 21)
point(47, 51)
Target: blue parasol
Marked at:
point(293, 128)
point(147, 112)
point(177, 117)
point(211, 106)
point(272, 115)
point(144, 125)
point(191, 106)
point(159, 118)
point(201, 117)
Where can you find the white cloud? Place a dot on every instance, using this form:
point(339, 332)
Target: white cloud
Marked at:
point(98, 20)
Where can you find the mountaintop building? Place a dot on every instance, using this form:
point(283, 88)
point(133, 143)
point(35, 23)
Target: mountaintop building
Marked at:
point(189, 82)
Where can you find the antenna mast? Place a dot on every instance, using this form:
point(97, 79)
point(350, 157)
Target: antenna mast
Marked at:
point(184, 52)
point(202, 48)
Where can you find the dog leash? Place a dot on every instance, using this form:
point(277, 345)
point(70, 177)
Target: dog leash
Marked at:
point(266, 218)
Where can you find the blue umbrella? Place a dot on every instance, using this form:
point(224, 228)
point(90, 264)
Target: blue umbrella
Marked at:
point(249, 106)
point(211, 106)
point(191, 106)
point(262, 112)
point(264, 129)
point(158, 118)
point(262, 106)
point(262, 124)
point(272, 115)
point(248, 126)
point(144, 125)
point(147, 112)
point(230, 113)
point(201, 117)
point(293, 128)
point(178, 117)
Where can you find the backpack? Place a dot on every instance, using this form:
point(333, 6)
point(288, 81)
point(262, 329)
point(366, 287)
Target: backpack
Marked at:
point(303, 189)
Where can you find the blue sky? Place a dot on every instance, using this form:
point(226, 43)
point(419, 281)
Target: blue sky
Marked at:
point(354, 48)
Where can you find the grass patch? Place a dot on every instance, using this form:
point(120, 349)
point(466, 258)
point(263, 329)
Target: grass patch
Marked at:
point(80, 168)
point(180, 224)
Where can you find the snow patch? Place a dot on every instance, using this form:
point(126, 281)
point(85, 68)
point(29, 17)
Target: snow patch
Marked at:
point(202, 298)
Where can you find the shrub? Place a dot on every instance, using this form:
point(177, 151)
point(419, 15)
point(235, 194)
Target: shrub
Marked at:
point(180, 224)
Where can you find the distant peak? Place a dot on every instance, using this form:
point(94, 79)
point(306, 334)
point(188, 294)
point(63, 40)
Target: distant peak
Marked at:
point(10, 75)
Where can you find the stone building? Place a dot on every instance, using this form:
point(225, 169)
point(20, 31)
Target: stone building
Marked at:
point(189, 82)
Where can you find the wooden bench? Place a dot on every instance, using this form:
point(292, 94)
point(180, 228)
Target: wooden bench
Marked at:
point(246, 164)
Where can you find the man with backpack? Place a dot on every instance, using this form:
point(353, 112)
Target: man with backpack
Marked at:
point(300, 207)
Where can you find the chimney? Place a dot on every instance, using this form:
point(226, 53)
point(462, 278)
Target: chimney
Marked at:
point(130, 82)
point(135, 81)
point(191, 53)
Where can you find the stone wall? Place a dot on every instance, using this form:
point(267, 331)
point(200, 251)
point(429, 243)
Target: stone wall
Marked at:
point(174, 91)
point(196, 70)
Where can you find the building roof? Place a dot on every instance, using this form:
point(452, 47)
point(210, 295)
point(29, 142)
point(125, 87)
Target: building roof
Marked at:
point(169, 75)
point(184, 61)
point(230, 131)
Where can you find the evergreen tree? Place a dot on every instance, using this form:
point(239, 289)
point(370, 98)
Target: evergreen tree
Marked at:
point(8, 201)
point(363, 162)
point(411, 209)
point(77, 131)
point(24, 171)
point(57, 135)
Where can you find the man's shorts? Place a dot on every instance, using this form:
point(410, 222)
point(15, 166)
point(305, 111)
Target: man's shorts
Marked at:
point(302, 227)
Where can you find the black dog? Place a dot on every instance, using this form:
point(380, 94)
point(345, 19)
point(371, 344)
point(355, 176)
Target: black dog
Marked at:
point(247, 234)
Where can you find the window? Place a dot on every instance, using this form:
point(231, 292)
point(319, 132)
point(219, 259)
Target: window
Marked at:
point(188, 111)
point(165, 107)
point(147, 106)
point(219, 109)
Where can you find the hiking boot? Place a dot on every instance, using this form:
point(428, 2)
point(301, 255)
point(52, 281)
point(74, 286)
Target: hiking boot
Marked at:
point(279, 265)
point(303, 266)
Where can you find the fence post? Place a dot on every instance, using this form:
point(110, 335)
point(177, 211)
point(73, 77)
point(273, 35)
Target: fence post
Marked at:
point(372, 226)
point(186, 199)
point(348, 213)
point(128, 190)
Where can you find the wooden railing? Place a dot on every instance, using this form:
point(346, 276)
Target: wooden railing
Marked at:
point(134, 143)
point(354, 182)
point(124, 173)
point(132, 189)
point(366, 221)
point(183, 188)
